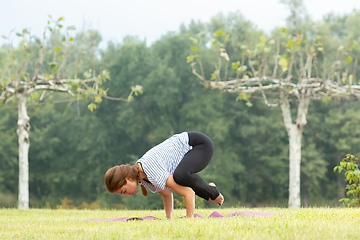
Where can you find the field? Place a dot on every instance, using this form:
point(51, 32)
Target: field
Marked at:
point(305, 223)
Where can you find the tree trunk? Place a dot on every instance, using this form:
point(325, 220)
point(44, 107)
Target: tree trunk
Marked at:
point(294, 131)
point(24, 144)
point(294, 166)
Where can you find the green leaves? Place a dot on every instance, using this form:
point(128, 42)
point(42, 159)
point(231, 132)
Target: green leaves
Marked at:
point(326, 99)
point(92, 107)
point(138, 89)
point(192, 58)
point(249, 104)
point(262, 40)
point(241, 69)
point(47, 76)
point(105, 74)
point(253, 62)
point(214, 75)
point(243, 96)
point(35, 95)
point(218, 33)
point(189, 58)
point(284, 62)
point(54, 67)
point(74, 87)
point(352, 176)
point(57, 49)
point(24, 75)
point(354, 45)
point(135, 90)
point(283, 30)
point(98, 99)
point(290, 44)
point(235, 65)
point(348, 59)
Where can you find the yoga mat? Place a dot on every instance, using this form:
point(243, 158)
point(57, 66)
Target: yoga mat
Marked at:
point(215, 214)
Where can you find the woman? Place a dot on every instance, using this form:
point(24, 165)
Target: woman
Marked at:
point(171, 165)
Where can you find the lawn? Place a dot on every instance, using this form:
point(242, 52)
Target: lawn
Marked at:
point(305, 223)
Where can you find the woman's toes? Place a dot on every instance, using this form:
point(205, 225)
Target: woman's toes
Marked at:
point(220, 199)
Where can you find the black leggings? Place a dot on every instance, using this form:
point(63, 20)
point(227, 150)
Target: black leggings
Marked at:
point(194, 161)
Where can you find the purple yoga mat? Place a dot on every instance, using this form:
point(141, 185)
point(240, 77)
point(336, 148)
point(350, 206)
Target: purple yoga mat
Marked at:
point(215, 214)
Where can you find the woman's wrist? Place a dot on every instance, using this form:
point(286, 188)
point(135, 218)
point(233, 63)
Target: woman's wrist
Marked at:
point(190, 203)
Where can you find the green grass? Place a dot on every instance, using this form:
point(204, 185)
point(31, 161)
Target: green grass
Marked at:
point(306, 223)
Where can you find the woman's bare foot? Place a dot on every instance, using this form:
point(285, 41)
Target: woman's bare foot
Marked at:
point(220, 199)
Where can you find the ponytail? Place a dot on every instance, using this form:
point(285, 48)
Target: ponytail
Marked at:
point(143, 190)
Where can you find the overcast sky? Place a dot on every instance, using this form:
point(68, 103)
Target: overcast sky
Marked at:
point(149, 19)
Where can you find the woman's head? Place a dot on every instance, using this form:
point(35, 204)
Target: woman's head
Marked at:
point(118, 176)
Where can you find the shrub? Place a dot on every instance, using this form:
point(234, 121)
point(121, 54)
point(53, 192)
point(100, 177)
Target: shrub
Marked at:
point(352, 176)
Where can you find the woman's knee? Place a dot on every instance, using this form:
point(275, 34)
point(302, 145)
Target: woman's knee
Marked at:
point(180, 176)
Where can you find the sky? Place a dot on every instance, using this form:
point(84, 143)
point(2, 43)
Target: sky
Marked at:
point(148, 19)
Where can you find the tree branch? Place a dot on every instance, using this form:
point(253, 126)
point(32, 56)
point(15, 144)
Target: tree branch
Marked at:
point(277, 56)
point(40, 59)
point(42, 103)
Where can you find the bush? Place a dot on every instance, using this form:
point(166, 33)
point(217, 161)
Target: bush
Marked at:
point(7, 201)
point(352, 176)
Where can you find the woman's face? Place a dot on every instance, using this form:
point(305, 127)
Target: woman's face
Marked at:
point(130, 188)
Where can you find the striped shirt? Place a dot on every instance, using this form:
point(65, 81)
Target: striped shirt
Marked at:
point(162, 160)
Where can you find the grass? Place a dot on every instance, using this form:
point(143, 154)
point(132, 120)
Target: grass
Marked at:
point(305, 223)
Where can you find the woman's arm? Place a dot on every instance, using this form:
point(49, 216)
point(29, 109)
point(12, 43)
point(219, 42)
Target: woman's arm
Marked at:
point(186, 192)
point(168, 202)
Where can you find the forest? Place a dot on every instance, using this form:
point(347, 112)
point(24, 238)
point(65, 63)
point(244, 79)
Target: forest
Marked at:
point(71, 146)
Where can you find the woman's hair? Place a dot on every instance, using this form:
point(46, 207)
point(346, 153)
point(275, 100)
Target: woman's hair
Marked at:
point(115, 177)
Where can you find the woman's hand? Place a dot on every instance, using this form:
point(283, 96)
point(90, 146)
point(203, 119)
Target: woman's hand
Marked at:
point(186, 192)
point(168, 202)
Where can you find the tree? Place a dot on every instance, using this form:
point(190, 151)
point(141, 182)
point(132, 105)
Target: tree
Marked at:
point(299, 17)
point(294, 69)
point(19, 86)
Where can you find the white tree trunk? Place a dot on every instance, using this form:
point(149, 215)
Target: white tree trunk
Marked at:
point(294, 131)
point(24, 144)
point(295, 135)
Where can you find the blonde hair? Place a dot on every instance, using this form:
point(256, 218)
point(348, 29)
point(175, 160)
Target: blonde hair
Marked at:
point(115, 177)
